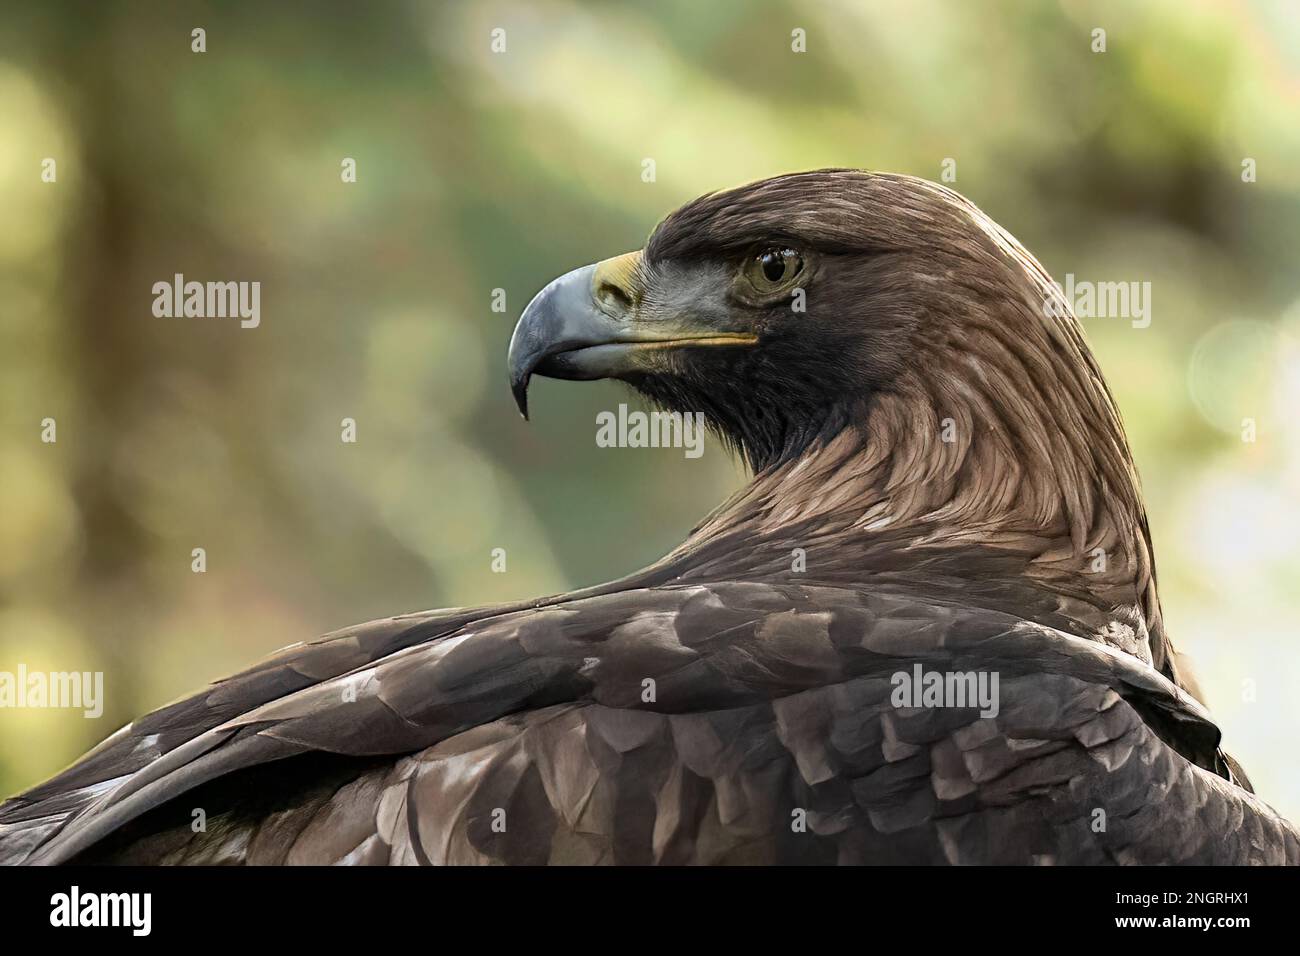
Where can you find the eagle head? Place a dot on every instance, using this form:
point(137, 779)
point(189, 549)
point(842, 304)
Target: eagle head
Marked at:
point(781, 309)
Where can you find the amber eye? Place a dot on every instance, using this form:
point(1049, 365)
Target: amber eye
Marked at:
point(773, 268)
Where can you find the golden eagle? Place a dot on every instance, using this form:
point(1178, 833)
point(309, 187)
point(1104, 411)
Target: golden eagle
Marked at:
point(927, 631)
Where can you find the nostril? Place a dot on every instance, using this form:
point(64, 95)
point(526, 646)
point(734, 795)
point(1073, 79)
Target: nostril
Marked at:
point(613, 297)
point(616, 284)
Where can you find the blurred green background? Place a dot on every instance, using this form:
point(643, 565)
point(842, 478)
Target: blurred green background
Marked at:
point(479, 170)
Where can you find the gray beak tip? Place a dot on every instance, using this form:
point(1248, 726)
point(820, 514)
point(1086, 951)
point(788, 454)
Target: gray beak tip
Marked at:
point(519, 389)
point(559, 318)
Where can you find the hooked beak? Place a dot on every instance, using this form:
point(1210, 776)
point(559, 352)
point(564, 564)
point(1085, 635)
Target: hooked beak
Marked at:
point(585, 325)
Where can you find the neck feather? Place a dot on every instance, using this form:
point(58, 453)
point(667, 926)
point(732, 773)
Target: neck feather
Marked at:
point(997, 471)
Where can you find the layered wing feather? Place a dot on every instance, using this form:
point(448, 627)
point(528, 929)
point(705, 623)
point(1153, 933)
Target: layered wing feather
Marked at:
point(725, 722)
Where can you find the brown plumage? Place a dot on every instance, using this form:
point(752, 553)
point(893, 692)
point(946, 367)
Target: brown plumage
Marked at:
point(941, 479)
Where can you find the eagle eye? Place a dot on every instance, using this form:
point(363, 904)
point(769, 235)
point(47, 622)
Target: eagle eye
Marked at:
point(772, 269)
